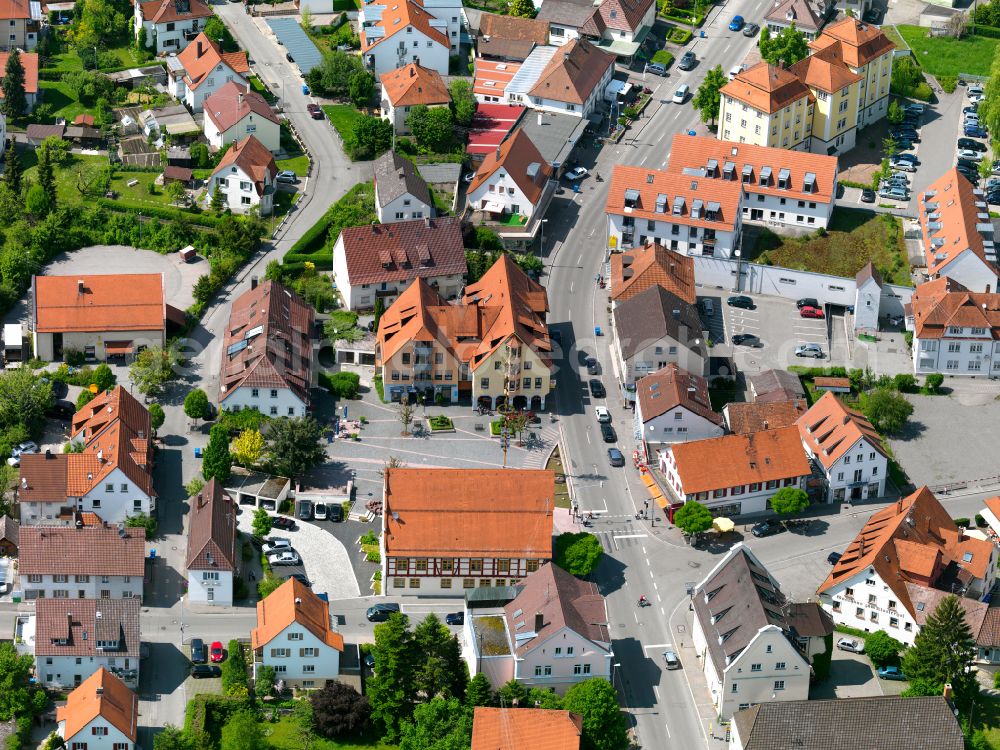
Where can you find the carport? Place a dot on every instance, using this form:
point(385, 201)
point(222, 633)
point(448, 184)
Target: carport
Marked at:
point(257, 489)
point(291, 36)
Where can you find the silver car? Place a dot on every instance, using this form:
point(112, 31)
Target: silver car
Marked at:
point(809, 350)
point(285, 557)
point(851, 644)
point(670, 660)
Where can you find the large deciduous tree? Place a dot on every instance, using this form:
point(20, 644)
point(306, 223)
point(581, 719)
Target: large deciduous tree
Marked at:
point(243, 731)
point(339, 711)
point(439, 724)
point(789, 500)
point(706, 98)
point(604, 725)
point(217, 461)
point(295, 445)
point(152, 369)
point(787, 47)
point(887, 409)
point(578, 553)
point(693, 518)
point(196, 404)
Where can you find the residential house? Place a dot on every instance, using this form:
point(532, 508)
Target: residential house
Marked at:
point(957, 233)
point(653, 329)
point(73, 638)
point(202, 68)
point(9, 529)
point(383, 260)
point(492, 79)
point(89, 562)
point(897, 723)
point(212, 559)
point(247, 177)
point(295, 636)
point(806, 16)
point(753, 416)
point(955, 331)
point(846, 449)
point(445, 531)
point(619, 26)
point(672, 405)
point(768, 386)
point(762, 104)
point(512, 182)
point(736, 474)
point(409, 86)
point(572, 80)
point(400, 192)
point(779, 185)
point(913, 541)
point(566, 18)
point(750, 652)
point(22, 20)
point(982, 617)
point(836, 87)
point(405, 32)
point(514, 728)
point(100, 714)
point(636, 270)
point(169, 25)
point(555, 633)
point(990, 513)
point(103, 316)
point(29, 61)
point(509, 38)
point(267, 363)
point(234, 113)
point(493, 345)
point(690, 215)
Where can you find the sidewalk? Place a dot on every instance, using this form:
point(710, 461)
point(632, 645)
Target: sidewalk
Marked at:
point(694, 674)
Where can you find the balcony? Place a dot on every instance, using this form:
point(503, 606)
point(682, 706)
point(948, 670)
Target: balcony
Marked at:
point(191, 34)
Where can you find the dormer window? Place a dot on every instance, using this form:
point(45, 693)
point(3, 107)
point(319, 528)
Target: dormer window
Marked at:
point(729, 171)
point(784, 176)
point(678, 205)
point(712, 168)
point(747, 173)
point(631, 198)
point(661, 203)
point(765, 176)
point(809, 183)
point(712, 211)
point(696, 207)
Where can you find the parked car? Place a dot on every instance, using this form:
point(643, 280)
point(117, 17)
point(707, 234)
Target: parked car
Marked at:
point(284, 557)
point(198, 653)
point(993, 197)
point(904, 166)
point(810, 312)
point(914, 107)
point(807, 302)
point(737, 23)
point(597, 389)
point(681, 94)
point(23, 449)
point(751, 29)
point(315, 111)
point(905, 134)
point(809, 350)
point(974, 145)
point(287, 177)
point(670, 660)
point(577, 173)
point(593, 366)
point(707, 307)
point(201, 671)
point(833, 558)
point(603, 415)
point(380, 612)
point(741, 301)
point(975, 131)
point(61, 409)
point(688, 61)
point(216, 652)
point(335, 512)
point(867, 195)
point(895, 194)
point(319, 511)
point(305, 510)
point(766, 528)
point(283, 523)
point(736, 70)
point(851, 644)
point(970, 154)
point(455, 618)
point(891, 673)
point(608, 434)
point(746, 339)
point(871, 16)
point(616, 457)
point(657, 69)
point(275, 544)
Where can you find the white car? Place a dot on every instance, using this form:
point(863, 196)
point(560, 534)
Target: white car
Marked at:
point(809, 350)
point(851, 644)
point(319, 511)
point(603, 415)
point(276, 543)
point(736, 70)
point(968, 153)
point(577, 174)
point(285, 557)
point(287, 177)
point(903, 166)
point(18, 450)
point(681, 95)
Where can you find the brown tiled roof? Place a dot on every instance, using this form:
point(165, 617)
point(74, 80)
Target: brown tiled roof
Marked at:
point(395, 176)
point(212, 530)
point(253, 158)
point(573, 72)
point(76, 627)
point(951, 205)
point(694, 152)
point(505, 513)
point(9, 529)
point(112, 302)
point(414, 84)
point(624, 15)
point(736, 460)
point(169, 11)
point(172, 172)
point(292, 602)
point(776, 385)
point(830, 429)
point(942, 303)
point(202, 55)
point(525, 728)
point(267, 342)
point(654, 314)
point(102, 694)
point(743, 417)
point(868, 272)
point(563, 601)
point(515, 156)
point(14, 9)
point(232, 102)
point(514, 28)
point(767, 88)
point(92, 550)
point(651, 184)
point(859, 43)
point(808, 619)
point(29, 61)
point(913, 537)
point(399, 16)
point(638, 269)
point(403, 250)
point(802, 13)
point(492, 77)
point(672, 387)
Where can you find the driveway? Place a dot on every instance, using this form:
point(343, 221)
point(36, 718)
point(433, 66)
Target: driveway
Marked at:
point(851, 676)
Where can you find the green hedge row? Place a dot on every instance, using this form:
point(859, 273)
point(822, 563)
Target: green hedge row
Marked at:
point(313, 239)
point(988, 31)
point(320, 257)
point(160, 213)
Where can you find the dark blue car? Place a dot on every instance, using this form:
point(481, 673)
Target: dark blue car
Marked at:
point(736, 24)
point(974, 131)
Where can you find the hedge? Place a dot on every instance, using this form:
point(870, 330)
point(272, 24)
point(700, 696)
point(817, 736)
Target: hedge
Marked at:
point(313, 240)
point(848, 630)
point(819, 372)
point(988, 31)
point(663, 57)
point(677, 35)
point(169, 214)
point(320, 257)
point(208, 713)
point(821, 662)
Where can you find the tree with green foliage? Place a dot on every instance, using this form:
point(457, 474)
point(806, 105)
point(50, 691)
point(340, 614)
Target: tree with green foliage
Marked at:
point(373, 135)
point(332, 77)
point(234, 670)
point(142, 521)
point(439, 724)
point(693, 518)
point(196, 404)
point(263, 684)
point(546, 699)
point(944, 651)
point(442, 671)
point(200, 157)
point(156, 416)
point(295, 445)
point(379, 311)
point(886, 409)
point(247, 448)
point(24, 399)
point(345, 385)
point(512, 693)
point(339, 711)
point(463, 101)
point(577, 553)
point(84, 398)
point(789, 500)
point(391, 690)
point(152, 369)
point(36, 202)
point(895, 113)
point(786, 48)
point(15, 101)
point(343, 326)
point(933, 382)
point(103, 377)
point(177, 193)
point(218, 201)
point(15, 687)
point(906, 76)
point(432, 127)
point(173, 738)
point(13, 169)
point(217, 31)
point(479, 691)
point(488, 240)
point(521, 8)
point(604, 725)
point(882, 648)
point(706, 98)
point(216, 460)
point(361, 87)
point(268, 585)
point(243, 731)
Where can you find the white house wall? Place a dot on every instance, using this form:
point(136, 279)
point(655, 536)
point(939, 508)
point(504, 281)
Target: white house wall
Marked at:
point(265, 131)
point(113, 740)
point(506, 191)
point(865, 601)
point(223, 74)
point(562, 668)
point(769, 649)
point(404, 48)
point(68, 671)
point(283, 404)
point(44, 345)
point(403, 208)
point(240, 185)
point(662, 232)
point(221, 589)
point(679, 425)
point(971, 271)
point(294, 668)
point(94, 587)
point(786, 211)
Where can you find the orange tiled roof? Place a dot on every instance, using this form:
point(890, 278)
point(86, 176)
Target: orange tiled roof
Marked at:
point(202, 56)
point(825, 70)
point(767, 88)
point(830, 429)
point(292, 602)
point(401, 15)
point(993, 503)
point(112, 302)
point(513, 28)
point(29, 61)
point(942, 303)
point(14, 9)
point(573, 72)
point(492, 76)
point(515, 156)
point(735, 460)
point(652, 183)
point(696, 152)
point(505, 513)
point(638, 269)
point(414, 84)
point(952, 207)
point(100, 695)
point(253, 158)
point(169, 11)
point(525, 728)
point(860, 43)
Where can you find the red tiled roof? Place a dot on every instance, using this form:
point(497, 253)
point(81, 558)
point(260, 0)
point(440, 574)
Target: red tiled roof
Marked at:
point(29, 61)
point(515, 156)
point(293, 601)
point(743, 417)
point(525, 729)
point(233, 102)
point(514, 28)
point(859, 42)
point(937, 305)
point(400, 16)
point(169, 11)
point(112, 302)
point(573, 72)
point(414, 84)
point(14, 9)
point(830, 429)
point(100, 695)
point(652, 183)
point(825, 70)
point(202, 56)
point(493, 76)
point(638, 269)
point(951, 203)
point(672, 387)
point(767, 88)
point(251, 156)
point(212, 530)
point(490, 126)
point(92, 550)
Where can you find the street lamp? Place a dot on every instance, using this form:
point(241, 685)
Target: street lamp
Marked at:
point(140, 227)
point(541, 244)
point(739, 275)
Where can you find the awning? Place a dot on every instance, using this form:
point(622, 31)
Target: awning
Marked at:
point(723, 525)
point(493, 206)
point(654, 489)
point(118, 347)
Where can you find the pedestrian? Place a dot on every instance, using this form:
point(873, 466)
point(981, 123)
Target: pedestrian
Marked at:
point(253, 577)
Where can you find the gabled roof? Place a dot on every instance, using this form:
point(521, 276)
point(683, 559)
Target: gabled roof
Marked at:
point(231, 103)
point(395, 176)
point(950, 215)
point(212, 530)
point(253, 158)
point(9, 529)
point(767, 88)
point(493, 76)
point(866, 273)
point(267, 342)
point(563, 601)
point(672, 387)
point(910, 541)
point(522, 162)
point(29, 61)
point(90, 550)
point(624, 15)
point(398, 17)
point(403, 250)
point(825, 70)
point(294, 602)
point(414, 84)
point(803, 13)
point(100, 695)
point(573, 72)
point(859, 42)
point(525, 729)
point(745, 417)
point(776, 385)
point(572, 13)
point(202, 56)
point(15, 9)
point(830, 429)
point(111, 302)
point(940, 304)
point(514, 28)
point(651, 194)
point(738, 460)
point(656, 314)
point(169, 11)
point(87, 627)
point(635, 270)
point(503, 513)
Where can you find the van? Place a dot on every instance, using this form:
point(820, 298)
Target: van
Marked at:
point(680, 96)
point(707, 308)
point(657, 68)
point(735, 71)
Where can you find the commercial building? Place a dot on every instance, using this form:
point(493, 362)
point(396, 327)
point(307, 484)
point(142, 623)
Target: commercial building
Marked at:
point(955, 331)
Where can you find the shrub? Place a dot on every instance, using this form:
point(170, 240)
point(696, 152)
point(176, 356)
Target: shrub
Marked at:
point(980, 521)
point(577, 554)
point(341, 384)
point(882, 648)
point(234, 670)
point(933, 382)
point(905, 383)
point(948, 83)
point(961, 522)
point(663, 57)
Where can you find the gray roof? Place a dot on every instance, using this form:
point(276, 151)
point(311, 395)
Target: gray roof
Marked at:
point(885, 722)
point(9, 529)
point(439, 174)
point(776, 385)
point(650, 316)
point(396, 176)
point(573, 13)
point(553, 134)
point(804, 14)
point(296, 43)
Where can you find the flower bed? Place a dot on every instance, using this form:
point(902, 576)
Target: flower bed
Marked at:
point(441, 423)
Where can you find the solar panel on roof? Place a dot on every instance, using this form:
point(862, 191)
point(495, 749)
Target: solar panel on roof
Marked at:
point(238, 346)
point(256, 331)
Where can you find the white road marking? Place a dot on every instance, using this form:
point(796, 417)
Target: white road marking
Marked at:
point(630, 536)
point(580, 259)
point(656, 690)
point(667, 726)
point(571, 284)
point(658, 645)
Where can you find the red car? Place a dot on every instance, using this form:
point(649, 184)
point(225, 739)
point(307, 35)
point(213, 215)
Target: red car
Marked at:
point(811, 312)
point(216, 653)
point(315, 111)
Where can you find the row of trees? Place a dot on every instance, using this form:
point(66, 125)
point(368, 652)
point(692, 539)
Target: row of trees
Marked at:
point(989, 109)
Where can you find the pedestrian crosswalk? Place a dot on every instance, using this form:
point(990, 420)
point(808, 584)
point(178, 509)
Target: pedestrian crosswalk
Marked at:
point(539, 447)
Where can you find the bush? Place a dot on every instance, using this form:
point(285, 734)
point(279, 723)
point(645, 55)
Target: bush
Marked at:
point(905, 383)
point(948, 83)
point(980, 521)
point(882, 648)
point(663, 57)
point(441, 422)
point(578, 554)
point(821, 662)
point(961, 522)
point(341, 384)
point(234, 670)
point(933, 382)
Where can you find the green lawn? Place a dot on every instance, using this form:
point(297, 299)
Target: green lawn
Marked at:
point(258, 85)
point(139, 193)
point(987, 718)
point(894, 37)
point(343, 117)
point(66, 189)
point(298, 164)
point(855, 237)
point(63, 100)
point(948, 56)
point(283, 736)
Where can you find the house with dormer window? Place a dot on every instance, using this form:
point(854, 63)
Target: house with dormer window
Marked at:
point(955, 331)
point(212, 559)
point(247, 178)
point(101, 714)
point(169, 25)
point(399, 32)
point(202, 68)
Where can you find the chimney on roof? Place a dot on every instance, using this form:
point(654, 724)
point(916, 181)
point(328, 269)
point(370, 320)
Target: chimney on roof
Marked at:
point(498, 153)
point(239, 99)
point(79, 286)
point(566, 56)
point(539, 118)
point(69, 623)
point(765, 424)
point(100, 456)
point(427, 222)
point(677, 314)
point(947, 692)
point(201, 500)
point(413, 72)
point(201, 49)
point(48, 453)
point(253, 282)
point(100, 690)
point(539, 622)
point(24, 483)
